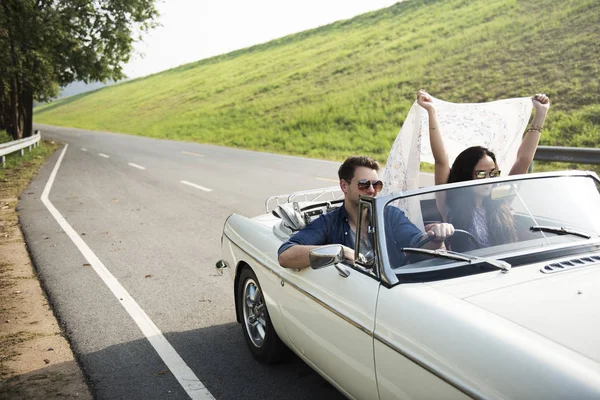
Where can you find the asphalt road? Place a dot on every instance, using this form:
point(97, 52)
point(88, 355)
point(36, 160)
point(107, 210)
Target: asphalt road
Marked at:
point(152, 212)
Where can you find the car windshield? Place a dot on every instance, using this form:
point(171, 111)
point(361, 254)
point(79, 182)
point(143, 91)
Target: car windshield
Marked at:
point(495, 218)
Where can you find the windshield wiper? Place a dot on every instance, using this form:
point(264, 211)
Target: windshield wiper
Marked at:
point(452, 255)
point(559, 230)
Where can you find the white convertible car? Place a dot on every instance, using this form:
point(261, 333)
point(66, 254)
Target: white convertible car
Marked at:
point(517, 317)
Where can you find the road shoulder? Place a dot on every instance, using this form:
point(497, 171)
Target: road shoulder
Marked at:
point(36, 360)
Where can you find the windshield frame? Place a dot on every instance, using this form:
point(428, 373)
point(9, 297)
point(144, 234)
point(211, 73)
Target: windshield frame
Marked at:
point(390, 277)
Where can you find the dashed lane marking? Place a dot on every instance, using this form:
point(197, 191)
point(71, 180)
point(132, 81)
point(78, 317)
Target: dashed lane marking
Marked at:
point(189, 153)
point(327, 179)
point(136, 166)
point(196, 186)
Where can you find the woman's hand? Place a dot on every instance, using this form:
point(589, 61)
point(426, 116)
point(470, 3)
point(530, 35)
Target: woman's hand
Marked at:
point(541, 103)
point(425, 100)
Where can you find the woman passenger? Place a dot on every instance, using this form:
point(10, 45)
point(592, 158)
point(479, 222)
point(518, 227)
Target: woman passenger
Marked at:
point(490, 222)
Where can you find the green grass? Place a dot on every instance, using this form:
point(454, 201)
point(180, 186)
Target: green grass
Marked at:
point(5, 137)
point(18, 171)
point(345, 88)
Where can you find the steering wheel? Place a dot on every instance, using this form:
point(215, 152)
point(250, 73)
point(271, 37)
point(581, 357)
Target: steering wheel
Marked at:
point(428, 238)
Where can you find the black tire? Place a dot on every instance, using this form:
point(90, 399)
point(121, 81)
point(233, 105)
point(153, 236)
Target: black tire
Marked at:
point(266, 347)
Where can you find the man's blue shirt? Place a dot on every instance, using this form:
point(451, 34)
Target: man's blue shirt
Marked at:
point(333, 228)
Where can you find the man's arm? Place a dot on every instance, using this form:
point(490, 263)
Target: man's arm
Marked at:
point(297, 256)
point(407, 234)
point(295, 252)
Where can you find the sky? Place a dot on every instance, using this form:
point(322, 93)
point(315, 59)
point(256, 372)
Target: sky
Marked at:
point(195, 29)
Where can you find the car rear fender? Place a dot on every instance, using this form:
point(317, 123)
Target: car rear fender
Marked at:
point(248, 243)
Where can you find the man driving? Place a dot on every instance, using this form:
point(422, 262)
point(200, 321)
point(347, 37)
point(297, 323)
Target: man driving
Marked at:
point(358, 176)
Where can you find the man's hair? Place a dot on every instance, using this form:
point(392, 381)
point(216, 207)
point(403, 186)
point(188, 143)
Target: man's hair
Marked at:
point(346, 170)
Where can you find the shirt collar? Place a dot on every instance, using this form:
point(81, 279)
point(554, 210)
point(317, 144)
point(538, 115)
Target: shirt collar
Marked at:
point(343, 212)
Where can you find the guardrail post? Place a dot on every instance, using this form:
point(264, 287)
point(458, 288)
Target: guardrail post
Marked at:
point(22, 152)
point(3, 161)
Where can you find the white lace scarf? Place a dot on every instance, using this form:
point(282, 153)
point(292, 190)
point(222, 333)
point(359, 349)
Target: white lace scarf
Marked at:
point(497, 125)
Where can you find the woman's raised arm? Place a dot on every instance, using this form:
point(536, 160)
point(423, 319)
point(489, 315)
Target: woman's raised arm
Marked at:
point(529, 145)
point(440, 155)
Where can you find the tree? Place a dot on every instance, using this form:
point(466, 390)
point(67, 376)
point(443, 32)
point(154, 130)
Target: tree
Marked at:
point(45, 44)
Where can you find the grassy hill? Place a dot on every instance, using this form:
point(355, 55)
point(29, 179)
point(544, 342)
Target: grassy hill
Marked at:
point(345, 88)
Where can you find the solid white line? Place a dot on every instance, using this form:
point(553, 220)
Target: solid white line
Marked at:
point(83, 149)
point(136, 166)
point(189, 153)
point(103, 155)
point(196, 186)
point(184, 375)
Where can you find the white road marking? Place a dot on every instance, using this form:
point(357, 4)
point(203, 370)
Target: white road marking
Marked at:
point(327, 179)
point(103, 155)
point(189, 153)
point(184, 375)
point(196, 186)
point(83, 149)
point(136, 166)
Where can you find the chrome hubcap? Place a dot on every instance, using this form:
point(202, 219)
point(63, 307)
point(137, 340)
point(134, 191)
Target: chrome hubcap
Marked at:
point(254, 313)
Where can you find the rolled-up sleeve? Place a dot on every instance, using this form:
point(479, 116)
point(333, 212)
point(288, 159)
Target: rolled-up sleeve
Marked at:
point(314, 234)
point(403, 232)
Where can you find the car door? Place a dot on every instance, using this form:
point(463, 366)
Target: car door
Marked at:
point(406, 367)
point(329, 320)
point(329, 315)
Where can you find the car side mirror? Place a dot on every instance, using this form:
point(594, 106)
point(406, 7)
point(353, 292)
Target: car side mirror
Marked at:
point(325, 256)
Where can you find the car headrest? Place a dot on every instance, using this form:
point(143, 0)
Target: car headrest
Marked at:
point(291, 216)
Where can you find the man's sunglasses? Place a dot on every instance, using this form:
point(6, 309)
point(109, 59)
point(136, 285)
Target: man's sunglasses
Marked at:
point(364, 184)
point(485, 174)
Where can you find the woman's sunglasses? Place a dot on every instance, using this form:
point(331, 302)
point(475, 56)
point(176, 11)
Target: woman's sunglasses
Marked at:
point(485, 174)
point(364, 184)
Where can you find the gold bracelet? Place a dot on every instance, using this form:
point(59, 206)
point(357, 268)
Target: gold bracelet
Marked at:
point(535, 128)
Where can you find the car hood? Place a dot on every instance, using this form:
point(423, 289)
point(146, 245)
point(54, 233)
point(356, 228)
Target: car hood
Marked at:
point(563, 307)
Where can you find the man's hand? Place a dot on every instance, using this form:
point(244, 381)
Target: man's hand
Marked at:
point(425, 100)
point(541, 103)
point(440, 231)
point(349, 254)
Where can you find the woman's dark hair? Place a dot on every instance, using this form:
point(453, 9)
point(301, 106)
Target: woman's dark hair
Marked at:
point(501, 226)
point(463, 166)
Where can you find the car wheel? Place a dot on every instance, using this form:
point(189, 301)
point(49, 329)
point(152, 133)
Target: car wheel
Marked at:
point(260, 335)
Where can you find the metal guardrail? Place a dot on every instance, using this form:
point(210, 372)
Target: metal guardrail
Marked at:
point(576, 155)
point(21, 144)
